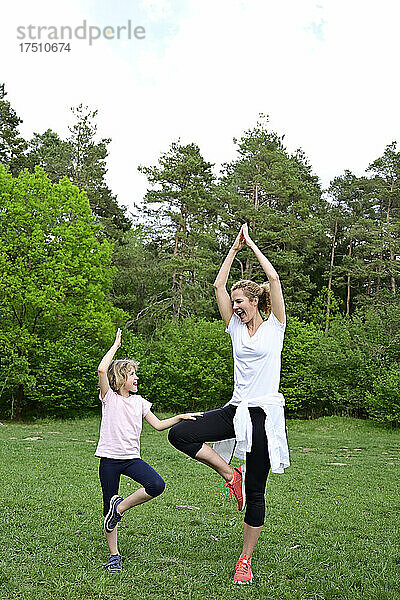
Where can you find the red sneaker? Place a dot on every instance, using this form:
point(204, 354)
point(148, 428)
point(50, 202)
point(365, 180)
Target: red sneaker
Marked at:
point(243, 572)
point(237, 487)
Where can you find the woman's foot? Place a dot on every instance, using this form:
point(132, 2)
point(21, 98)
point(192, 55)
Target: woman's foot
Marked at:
point(243, 572)
point(113, 516)
point(237, 486)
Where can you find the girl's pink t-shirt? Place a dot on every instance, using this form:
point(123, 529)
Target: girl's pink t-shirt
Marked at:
point(121, 425)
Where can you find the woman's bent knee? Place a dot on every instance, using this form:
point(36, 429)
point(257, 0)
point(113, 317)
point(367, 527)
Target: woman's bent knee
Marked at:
point(173, 437)
point(181, 443)
point(177, 437)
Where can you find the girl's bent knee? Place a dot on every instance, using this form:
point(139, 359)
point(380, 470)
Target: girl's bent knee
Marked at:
point(156, 488)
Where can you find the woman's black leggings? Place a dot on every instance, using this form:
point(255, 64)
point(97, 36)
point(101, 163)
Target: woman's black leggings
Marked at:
point(215, 425)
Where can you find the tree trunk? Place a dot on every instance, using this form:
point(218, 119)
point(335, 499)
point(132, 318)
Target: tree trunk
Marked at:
point(378, 283)
point(19, 406)
point(246, 274)
point(176, 279)
point(328, 302)
point(256, 203)
point(348, 284)
point(241, 268)
point(392, 279)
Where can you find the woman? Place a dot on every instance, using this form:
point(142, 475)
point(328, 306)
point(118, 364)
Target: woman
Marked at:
point(252, 423)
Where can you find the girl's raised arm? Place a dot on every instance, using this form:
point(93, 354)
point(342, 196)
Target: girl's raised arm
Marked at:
point(277, 303)
point(105, 363)
point(223, 298)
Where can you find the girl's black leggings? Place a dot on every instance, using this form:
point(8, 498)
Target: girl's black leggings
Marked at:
point(215, 425)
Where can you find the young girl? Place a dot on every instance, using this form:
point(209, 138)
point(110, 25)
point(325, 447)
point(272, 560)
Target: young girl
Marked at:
point(119, 444)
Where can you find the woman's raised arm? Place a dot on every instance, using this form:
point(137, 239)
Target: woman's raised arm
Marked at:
point(223, 298)
point(277, 302)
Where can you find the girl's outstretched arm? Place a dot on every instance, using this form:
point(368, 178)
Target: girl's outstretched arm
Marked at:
point(277, 303)
point(223, 298)
point(105, 363)
point(167, 423)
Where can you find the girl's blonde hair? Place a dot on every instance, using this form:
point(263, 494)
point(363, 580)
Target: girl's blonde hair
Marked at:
point(254, 290)
point(118, 371)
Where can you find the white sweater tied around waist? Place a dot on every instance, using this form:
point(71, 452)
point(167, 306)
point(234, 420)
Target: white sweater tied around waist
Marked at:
point(278, 451)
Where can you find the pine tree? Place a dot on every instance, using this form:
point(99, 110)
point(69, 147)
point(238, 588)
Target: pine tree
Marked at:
point(352, 209)
point(88, 171)
point(387, 192)
point(83, 160)
point(54, 155)
point(182, 212)
point(278, 196)
point(12, 145)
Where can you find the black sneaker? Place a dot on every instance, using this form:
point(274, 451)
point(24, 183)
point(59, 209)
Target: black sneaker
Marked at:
point(113, 516)
point(114, 563)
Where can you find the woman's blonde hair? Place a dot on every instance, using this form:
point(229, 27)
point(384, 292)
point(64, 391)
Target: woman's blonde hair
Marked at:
point(254, 290)
point(118, 370)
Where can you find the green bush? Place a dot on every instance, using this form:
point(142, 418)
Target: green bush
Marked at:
point(186, 366)
point(317, 310)
point(189, 366)
point(300, 339)
point(66, 377)
point(340, 371)
point(351, 369)
point(384, 398)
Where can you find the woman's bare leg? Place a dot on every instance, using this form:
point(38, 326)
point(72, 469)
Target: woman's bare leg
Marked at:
point(209, 457)
point(250, 537)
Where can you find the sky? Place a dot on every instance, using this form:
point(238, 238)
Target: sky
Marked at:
point(324, 72)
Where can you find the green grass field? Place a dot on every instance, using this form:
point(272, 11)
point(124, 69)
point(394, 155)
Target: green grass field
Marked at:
point(332, 527)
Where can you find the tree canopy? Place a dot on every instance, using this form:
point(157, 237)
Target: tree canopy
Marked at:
point(74, 266)
point(55, 272)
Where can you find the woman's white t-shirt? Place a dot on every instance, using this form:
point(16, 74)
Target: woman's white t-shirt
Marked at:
point(257, 358)
point(257, 367)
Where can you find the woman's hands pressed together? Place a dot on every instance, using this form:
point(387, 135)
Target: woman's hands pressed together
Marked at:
point(239, 241)
point(246, 236)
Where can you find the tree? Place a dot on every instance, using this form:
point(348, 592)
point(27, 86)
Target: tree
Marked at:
point(83, 160)
point(54, 155)
point(352, 211)
point(12, 145)
point(182, 212)
point(277, 194)
point(88, 171)
point(387, 189)
point(55, 276)
point(139, 288)
point(324, 308)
